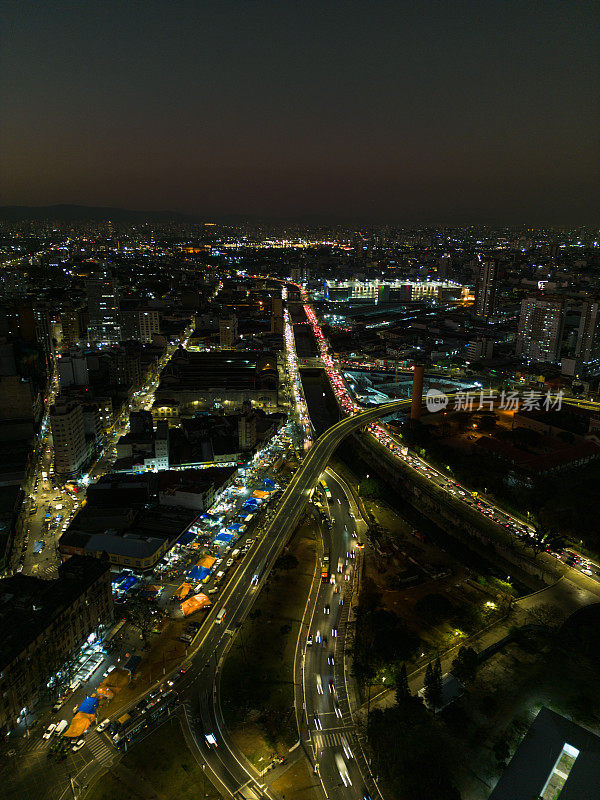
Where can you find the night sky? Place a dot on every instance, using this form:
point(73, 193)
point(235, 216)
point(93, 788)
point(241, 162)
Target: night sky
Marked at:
point(400, 112)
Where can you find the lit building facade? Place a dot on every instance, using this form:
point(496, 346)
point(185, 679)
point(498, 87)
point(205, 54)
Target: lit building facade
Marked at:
point(539, 335)
point(104, 326)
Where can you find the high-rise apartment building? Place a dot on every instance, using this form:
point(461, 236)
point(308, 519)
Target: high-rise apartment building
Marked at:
point(71, 332)
point(72, 369)
point(588, 337)
point(540, 330)
point(228, 331)
point(148, 324)
point(444, 264)
point(486, 284)
point(68, 436)
point(480, 349)
point(104, 326)
point(124, 365)
point(277, 315)
point(247, 430)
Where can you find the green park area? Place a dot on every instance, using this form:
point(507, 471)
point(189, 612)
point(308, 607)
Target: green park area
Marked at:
point(462, 750)
point(161, 765)
point(257, 688)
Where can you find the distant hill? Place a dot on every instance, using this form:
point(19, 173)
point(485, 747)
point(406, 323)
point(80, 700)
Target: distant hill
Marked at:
point(71, 213)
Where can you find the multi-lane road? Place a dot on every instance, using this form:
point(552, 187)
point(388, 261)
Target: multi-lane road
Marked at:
point(330, 729)
point(199, 688)
point(227, 767)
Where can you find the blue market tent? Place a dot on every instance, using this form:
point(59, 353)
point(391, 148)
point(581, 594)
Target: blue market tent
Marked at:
point(186, 538)
point(224, 537)
point(130, 581)
point(198, 573)
point(132, 664)
point(89, 705)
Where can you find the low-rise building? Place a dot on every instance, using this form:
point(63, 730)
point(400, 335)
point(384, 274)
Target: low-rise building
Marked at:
point(138, 541)
point(556, 758)
point(193, 381)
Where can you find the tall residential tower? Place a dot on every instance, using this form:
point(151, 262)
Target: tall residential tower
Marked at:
point(540, 330)
point(104, 326)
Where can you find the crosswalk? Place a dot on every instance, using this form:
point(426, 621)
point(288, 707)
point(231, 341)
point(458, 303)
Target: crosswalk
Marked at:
point(333, 739)
point(101, 750)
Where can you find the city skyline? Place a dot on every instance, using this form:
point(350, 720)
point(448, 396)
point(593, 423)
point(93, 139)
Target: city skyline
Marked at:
point(421, 113)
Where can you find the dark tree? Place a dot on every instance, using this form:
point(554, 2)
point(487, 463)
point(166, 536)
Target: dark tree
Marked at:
point(537, 541)
point(464, 666)
point(142, 614)
point(433, 685)
point(402, 687)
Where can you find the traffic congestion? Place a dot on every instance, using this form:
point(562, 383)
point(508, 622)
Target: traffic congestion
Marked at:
point(554, 546)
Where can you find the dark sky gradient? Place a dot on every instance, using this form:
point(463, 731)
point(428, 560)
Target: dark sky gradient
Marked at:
point(395, 112)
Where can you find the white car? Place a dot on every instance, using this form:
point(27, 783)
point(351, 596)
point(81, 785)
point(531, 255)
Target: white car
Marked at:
point(78, 745)
point(319, 685)
point(342, 769)
point(49, 730)
point(103, 725)
point(346, 748)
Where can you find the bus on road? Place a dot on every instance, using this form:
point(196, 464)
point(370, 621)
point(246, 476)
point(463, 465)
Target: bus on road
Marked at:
point(221, 616)
point(325, 489)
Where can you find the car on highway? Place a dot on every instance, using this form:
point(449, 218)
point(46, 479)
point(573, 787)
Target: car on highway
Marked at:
point(346, 748)
point(309, 640)
point(326, 609)
point(49, 730)
point(331, 686)
point(337, 709)
point(342, 769)
point(318, 637)
point(331, 659)
point(319, 685)
point(318, 723)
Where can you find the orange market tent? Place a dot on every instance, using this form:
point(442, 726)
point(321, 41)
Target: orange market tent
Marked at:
point(183, 590)
point(194, 603)
point(207, 561)
point(113, 684)
point(260, 494)
point(79, 725)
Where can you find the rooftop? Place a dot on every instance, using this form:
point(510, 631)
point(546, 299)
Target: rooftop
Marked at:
point(28, 605)
point(556, 757)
